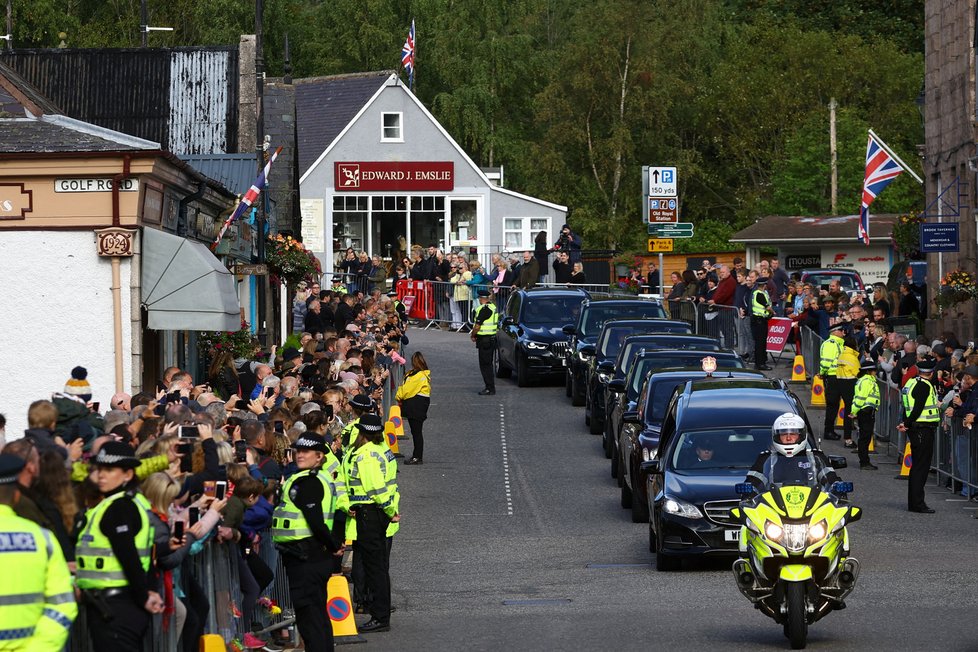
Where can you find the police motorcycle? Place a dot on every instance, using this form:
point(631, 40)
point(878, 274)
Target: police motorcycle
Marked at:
point(795, 565)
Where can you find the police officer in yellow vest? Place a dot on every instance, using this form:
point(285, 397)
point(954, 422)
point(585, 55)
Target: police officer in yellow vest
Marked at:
point(114, 553)
point(760, 311)
point(828, 368)
point(38, 601)
point(865, 402)
point(374, 505)
point(921, 415)
point(484, 335)
point(301, 525)
point(360, 404)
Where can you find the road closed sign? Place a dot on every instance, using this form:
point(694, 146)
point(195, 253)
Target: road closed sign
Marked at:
point(778, 331)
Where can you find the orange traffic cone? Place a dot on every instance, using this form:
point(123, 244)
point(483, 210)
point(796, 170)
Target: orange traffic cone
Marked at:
point(906, 462)
point(340, 611)
point(391, 436)
point(818, 392)
point(798, 374)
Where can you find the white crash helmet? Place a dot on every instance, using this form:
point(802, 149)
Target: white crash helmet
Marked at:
point(786, 424)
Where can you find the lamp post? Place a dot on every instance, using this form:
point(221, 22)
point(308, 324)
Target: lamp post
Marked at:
point(260, 155)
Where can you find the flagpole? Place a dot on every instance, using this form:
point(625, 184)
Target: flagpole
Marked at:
point(414, 56)
point(886, 148)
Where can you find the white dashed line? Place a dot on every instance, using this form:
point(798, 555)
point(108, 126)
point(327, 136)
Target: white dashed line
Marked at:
point(502, 438)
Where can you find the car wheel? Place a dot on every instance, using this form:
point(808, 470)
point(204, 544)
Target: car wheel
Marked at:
point(651, 537)
point(640, 508)
point(502, 371)
point(626, 495)
point(567, 383)
point(577, 395)
point(522, 375)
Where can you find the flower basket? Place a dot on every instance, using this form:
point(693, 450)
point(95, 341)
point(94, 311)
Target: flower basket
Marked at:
point(625, 286)
point(290, 261)
point(905, 235)
point(957, 287)
point(241, 343)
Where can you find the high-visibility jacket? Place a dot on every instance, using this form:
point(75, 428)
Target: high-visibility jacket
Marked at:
point(491, 325)
point(350, 433)
point(391, 477)
point(337, 482)
point(368, 479)
point(829, 354)
point(417, 383)
point(757, 309)
point(38, 602)
point(848, 364)
point(931, 412)
point(340, 289)
point(867, 394)
point(98, 567)
point(288, 521)
point(347, 465)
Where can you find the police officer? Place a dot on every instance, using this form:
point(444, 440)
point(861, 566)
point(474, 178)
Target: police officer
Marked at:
point(374, 505)
point(484, 336)
point(361, 404)
point(921, 414)
point(865, 402)
point(828, 366)
point(791, 458)
point(36, 593)
point(301, 526)
point(760, 311)
point(114, 553)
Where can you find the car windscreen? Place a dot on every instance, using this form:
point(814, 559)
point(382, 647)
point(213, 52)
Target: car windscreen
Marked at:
point(658, 399)
point(720, 448)
point(551, 311)
point(679, 359)
point(597, 315)
point(821, 281)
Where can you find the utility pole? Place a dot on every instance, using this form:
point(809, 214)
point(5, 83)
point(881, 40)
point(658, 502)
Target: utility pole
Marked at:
point(834, 153)
point(10, 25)
point(260, 154)
point(144, 23)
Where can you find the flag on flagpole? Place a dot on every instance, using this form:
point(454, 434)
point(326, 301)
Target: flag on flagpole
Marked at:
point(249, 198)
point(407, 56)
point(881, 169)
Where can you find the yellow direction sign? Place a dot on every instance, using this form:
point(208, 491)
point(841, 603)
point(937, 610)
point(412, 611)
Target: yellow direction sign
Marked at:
point(660, 245)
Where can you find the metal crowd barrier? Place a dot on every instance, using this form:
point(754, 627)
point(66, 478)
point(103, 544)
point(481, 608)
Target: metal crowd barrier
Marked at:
point(956, 456)
point(811, 344)
point(721, 322)
point(352, 282)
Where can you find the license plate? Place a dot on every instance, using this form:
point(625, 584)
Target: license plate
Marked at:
point(731, 535)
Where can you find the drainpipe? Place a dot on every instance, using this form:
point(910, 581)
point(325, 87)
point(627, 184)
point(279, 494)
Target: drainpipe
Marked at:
point(117, 278)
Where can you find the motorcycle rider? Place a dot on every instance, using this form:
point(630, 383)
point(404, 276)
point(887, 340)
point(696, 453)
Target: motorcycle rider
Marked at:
point(791, 458)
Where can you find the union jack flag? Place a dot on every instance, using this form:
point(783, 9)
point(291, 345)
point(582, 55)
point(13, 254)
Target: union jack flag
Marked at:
point(881, 169)
point(407, 56)
point(249, 198)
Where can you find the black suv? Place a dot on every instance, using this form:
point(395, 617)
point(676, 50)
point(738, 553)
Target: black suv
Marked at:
point(585, 330)
point(531, 340)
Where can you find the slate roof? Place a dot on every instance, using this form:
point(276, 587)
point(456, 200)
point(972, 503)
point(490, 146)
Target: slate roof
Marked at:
point(786, 228)
point(234, 171)
point(63, 134)
point(325, 105)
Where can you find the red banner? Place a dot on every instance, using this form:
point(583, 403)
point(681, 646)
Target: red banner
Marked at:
point(778, 331)
point(360, 176)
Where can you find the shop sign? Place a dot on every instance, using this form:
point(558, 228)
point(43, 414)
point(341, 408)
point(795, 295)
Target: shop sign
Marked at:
point(15, 201)
point(873, 262)
point(115, 241)
point(803, 261)
point(94, 185)
point(367, 176)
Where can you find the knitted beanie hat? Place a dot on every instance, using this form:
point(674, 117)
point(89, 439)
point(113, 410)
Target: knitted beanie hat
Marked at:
point(78, 385)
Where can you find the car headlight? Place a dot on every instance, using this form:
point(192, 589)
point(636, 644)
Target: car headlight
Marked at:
point(818, 531)
point(536, 346)
point(773, 531)
point(681, 508)
point(647, 454)
point(603, 377)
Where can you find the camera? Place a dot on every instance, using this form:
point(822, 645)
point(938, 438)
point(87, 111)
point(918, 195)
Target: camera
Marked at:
point(188, 432)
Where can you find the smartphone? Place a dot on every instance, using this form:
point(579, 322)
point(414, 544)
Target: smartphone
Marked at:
point(193, 515)
point(209, 488)
point(95, 406)
point(220, 489)
point(241, 404)
point(188, 432)
point(173, 397)
point(269, 392)
point(185, 448)
point(280, 426)
point(240, 451)
point(289, 455)
point(178, 529)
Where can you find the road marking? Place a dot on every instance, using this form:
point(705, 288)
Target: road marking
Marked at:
point(502, 437)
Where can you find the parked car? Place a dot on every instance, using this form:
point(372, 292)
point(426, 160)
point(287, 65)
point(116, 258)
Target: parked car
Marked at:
point(531, 341)
point(711, 434)
point(639, 437)
point(849, 280)
point(612, 335)
point(594, 313)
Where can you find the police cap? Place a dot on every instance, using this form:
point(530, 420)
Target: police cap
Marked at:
point(117, 454)
point(310, 441)
point(370, 423)
point(926, 365)
point(10, 468)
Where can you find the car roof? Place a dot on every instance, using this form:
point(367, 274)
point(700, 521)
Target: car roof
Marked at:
point(660, 353)
point(611, 303)
point(684, 337)
point(671, 373)
point(829, 270)
point(550, 292)
point(736, 401)
point(631, 321)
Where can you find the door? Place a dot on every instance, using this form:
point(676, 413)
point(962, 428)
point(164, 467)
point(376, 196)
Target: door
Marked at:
point(463, 224)
point(510, 333)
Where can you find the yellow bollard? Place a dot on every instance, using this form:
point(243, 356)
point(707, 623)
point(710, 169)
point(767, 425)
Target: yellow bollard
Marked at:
point(391, 436)
point(394, 416)
point(906, 462)
point(818, 392)
point(340, 611)
point(840, 417)
point(798, 374)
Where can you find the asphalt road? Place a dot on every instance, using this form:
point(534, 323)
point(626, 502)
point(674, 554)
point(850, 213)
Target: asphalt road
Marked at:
point(513, 539)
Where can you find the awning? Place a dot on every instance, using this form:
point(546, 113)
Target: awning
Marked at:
point(186, 288)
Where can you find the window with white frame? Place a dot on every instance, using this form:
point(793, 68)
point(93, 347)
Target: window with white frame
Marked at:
point(520, 232)
point(391, 127)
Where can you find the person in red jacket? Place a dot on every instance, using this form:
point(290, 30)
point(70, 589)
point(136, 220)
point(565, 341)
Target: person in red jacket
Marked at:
point(724, 296)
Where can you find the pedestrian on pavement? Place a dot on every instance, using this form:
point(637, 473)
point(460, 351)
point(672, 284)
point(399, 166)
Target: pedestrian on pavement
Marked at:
point(865, 403)
point(529, 271)
point(301, 525)
point(921, 415)
point(828, 365)
point(39, 602)
point(760, 311)
point(484, 335)
point(414, 397)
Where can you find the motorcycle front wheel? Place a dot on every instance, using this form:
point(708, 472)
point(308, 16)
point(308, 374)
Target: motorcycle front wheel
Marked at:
point(796, 625)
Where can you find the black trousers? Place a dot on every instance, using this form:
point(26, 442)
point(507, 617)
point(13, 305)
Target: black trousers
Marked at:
point(307, 588)
point(866, 420)
point(847, 392)
point(835, 390)
point(371, 545)
point(758, 331)
point(921, 438)
point(126, 629)
point(417, 434)
point(487, 349)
